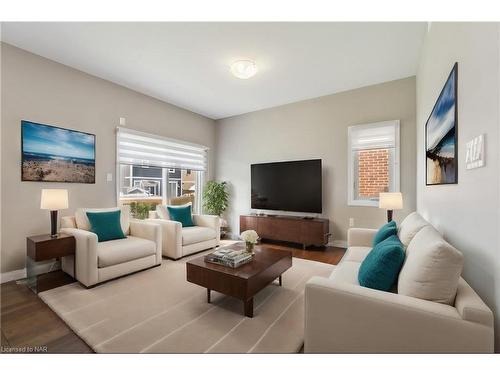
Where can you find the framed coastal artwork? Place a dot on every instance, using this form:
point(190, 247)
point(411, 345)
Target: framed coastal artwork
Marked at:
point(441, 136)
point(53, 154)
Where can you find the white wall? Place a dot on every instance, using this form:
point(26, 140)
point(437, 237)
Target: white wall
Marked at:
point(40, 90)
point(317, 128)
point(466, 213)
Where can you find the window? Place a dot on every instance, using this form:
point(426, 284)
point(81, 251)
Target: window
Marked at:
point(155, 170)
point(373, 162)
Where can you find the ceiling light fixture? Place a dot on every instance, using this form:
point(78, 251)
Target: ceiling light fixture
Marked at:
point(244, 69)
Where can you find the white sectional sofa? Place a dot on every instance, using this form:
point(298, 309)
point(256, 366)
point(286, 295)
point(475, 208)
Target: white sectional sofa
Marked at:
point(343, 317)
point(97, 262)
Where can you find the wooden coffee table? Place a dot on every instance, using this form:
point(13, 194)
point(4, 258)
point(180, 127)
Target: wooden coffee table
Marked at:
point(243, 282)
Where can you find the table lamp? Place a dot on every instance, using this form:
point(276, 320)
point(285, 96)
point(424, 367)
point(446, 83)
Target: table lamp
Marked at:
point(390, 201)
point(53, 200)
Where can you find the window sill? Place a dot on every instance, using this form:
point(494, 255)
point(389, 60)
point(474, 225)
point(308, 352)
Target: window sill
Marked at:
point(362, 203)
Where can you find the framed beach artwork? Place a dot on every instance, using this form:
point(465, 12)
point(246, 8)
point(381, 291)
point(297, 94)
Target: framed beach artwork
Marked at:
point(441, 136)
point(53, 154)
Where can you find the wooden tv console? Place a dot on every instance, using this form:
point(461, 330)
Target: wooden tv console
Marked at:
point(312, 231)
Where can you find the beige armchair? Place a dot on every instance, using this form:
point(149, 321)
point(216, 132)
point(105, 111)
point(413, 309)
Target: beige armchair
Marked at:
point(178, 242)
point(97, 262)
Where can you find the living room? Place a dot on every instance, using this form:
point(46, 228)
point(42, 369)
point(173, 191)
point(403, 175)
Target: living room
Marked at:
point(282, 191)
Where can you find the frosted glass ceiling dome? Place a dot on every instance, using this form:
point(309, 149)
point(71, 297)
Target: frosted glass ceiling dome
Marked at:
point(244, 69)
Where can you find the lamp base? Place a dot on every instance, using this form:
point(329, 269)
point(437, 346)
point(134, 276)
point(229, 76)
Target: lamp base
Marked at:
point(53, 224)
point(389, 216)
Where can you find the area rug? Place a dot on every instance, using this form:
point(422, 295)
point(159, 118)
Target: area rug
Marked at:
point(158, 311)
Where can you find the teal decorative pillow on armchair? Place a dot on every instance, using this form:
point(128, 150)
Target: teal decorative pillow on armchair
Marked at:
point(381, 267)
point(106, 225)
point(182, 214)
point(385, 232)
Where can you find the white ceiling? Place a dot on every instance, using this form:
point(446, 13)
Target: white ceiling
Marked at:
point(187, 64)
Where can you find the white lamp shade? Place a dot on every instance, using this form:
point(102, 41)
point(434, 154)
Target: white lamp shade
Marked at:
point(54, 199)
point(390, 201)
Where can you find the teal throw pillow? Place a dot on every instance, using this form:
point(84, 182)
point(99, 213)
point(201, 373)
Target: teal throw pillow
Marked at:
point(381, 267)
point(106, 225)
point(385, 232)
point(181, 214)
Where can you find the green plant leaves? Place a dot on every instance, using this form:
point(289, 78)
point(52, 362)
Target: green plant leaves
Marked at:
point(140, 210)
point(215, 197)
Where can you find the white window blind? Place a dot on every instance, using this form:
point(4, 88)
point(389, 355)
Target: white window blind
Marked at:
point(379, 135)
point(138, 148)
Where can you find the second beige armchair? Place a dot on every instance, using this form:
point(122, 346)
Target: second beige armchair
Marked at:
point(178, 241)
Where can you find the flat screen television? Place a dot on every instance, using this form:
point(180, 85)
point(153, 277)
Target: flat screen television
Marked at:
point(287, 186)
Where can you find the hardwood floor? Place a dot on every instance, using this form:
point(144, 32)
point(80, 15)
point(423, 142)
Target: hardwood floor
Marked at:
point(327, 254)
point(28, 324)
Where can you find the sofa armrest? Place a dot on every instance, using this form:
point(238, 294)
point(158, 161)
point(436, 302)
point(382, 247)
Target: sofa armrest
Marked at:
point(85, 256)
point(171, 233)
point(471, 307)
point(360, 237)
point(210, 221)
point(348, 318)
point(149, 231)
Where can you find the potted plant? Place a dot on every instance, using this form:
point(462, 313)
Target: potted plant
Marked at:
point(215, 201)
point(140, 210)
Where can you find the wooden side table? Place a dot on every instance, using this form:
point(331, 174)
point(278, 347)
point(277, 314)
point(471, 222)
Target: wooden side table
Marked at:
point(42, 248)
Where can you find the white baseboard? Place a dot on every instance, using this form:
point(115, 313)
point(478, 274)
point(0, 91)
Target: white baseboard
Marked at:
point(37, 270)
point(338, 243)
point(5, 277)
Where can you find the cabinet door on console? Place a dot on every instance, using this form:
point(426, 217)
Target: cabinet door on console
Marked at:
point(313, 233)
point(247, 223)
point(287, 230)
point(276, 228)
point(265, 227)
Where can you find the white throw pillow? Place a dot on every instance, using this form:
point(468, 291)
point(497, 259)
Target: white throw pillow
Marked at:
point(410, 226)
point(162, 210)
point(82, 221)
point(431, 269)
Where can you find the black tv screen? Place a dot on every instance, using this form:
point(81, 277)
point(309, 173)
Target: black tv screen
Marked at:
point(287, 186)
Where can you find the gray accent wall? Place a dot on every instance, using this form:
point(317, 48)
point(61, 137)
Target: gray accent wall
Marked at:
point(317, 128)
point(467, 214)
point(41, 90)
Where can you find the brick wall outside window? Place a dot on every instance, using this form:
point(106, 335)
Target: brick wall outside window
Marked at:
point(373, 170)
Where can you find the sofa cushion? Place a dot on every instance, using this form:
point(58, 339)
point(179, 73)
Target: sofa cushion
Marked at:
point(196, 234)
point(162, 210)
point(181, 214)
point(432, 268)
point(114, 252)
point(410, 226)
point(346, 272)
point(387, 230)
point(82, 221)
point(381, 266)
point(106, 225)
point(356, 253)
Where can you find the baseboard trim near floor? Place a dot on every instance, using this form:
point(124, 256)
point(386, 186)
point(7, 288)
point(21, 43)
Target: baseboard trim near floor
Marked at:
point(5, 277)
point(338, 243)
point(38, 269)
